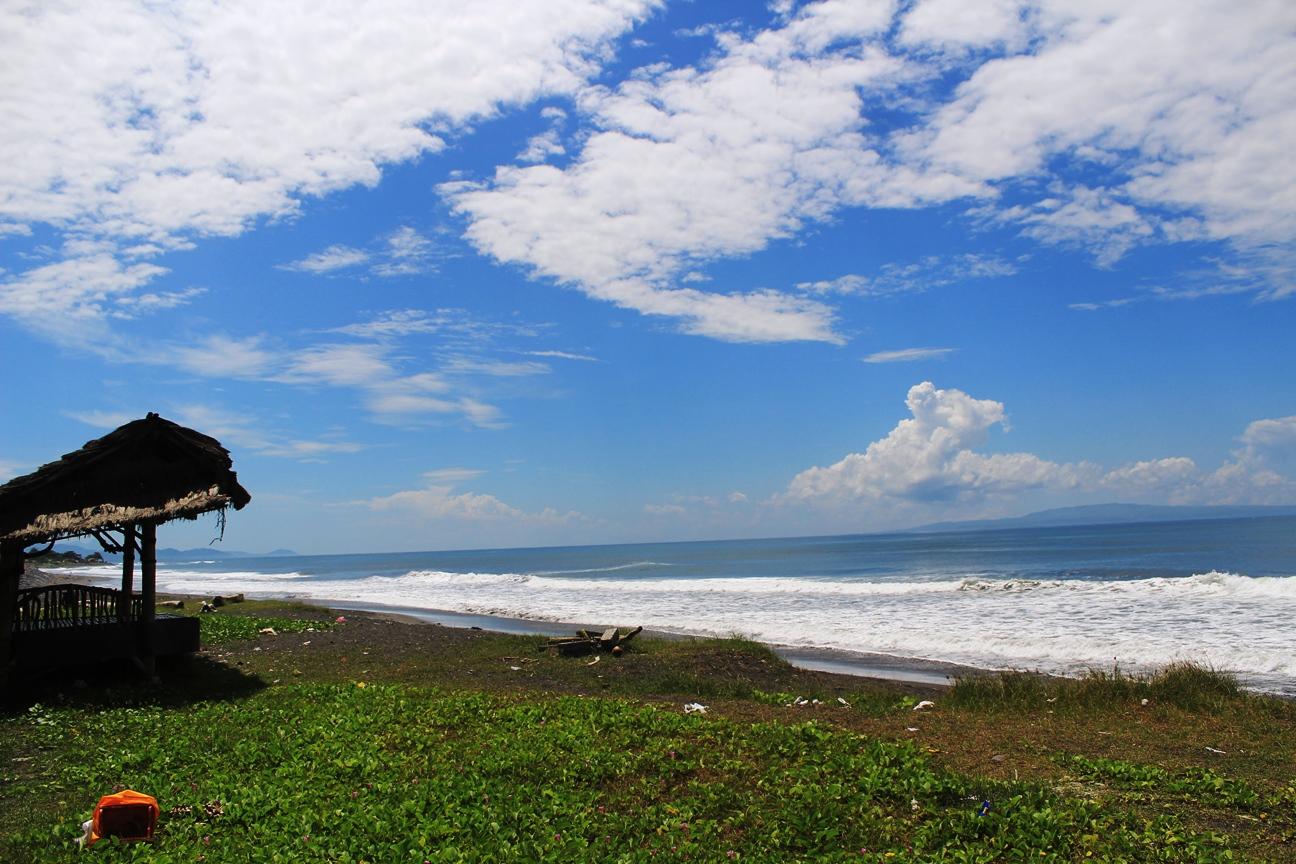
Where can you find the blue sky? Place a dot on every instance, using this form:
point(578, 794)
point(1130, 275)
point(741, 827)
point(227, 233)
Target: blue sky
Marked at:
point(581, 272)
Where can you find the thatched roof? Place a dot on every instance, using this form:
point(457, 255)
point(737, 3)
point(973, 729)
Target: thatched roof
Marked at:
point(149, 470)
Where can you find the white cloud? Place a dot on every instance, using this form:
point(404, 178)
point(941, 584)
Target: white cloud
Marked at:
point(564, 355)
point(130, 121)
point(340, 365)
point(223, 356)
point(1269, 446)
point(907, 355)
point(1164, 475)
point(737, 497)
point(540, 147)
point(9, 469)
point(438, 501)
point(104, 419)
point(694, 163)
point(1101, 125)
point(495, 368)
point(239, 430)
point(405, 253)
point(929, 464)
point(452, 476)
point(929, 457)
point(332, 258)
point(954, 25)
point(62, 297)
point(1185, 108)
point(664, 509)
point(206, 135)
point(933, 271)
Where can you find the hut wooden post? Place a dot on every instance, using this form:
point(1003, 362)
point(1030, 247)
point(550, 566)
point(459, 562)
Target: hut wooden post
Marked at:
point(148, 592)
point(129, 542)
point(11, 569)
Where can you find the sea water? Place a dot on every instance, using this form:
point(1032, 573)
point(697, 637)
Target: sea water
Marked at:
point(1060, 600)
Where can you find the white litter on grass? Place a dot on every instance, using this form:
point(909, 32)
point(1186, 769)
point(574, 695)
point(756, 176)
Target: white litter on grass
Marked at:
point(843, 701)
point(1218, 752)
point(911, 728)
point(924, 704)
point(516, 668)
point(695, 708)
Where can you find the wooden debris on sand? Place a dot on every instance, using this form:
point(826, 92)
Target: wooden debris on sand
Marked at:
point(590, 641)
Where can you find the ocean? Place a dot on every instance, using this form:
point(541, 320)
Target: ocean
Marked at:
point(1058, 600)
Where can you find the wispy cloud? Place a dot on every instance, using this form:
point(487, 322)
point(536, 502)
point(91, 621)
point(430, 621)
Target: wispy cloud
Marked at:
point(403, 252)
point(9, 468)
point(236, 429)
point(563, 355)
point(495, 368)
point(933, 271)
point(329, 260)
point(452, 476)
point(907, 355)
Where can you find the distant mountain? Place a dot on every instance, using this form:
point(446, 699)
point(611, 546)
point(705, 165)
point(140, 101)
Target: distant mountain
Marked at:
point(1107, 514)
point(206, 552)
point(201, 553)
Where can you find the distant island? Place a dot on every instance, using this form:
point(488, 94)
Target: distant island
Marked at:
point(1112, 514)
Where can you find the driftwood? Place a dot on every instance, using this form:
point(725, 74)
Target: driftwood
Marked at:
point(590, 641)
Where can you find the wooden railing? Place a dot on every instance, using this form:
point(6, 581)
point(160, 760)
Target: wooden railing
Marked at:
point(55, 606)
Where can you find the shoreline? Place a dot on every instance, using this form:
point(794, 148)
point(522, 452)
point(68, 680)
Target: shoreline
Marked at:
point(886, 667)
point(875, 666)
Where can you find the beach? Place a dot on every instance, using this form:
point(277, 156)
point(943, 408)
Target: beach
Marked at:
point(1060, 601)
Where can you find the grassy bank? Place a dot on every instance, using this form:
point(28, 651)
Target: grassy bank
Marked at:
point(379, 741)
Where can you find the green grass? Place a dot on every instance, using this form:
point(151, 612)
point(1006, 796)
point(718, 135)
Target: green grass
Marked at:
point(1201, 786)
point(390, 773)
point(215, 628)
point(1184, 685)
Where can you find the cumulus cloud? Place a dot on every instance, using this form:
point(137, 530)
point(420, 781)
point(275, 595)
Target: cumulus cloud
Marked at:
point(930, 457)
point(931, 461)
point(438, 501)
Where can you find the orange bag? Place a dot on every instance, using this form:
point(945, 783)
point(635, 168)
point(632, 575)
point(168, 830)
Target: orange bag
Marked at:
point(126, 814)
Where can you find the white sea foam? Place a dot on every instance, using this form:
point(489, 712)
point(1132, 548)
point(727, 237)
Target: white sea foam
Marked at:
point(1228, 620)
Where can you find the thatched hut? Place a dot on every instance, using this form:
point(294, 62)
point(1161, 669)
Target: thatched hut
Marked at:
point(116, 489)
